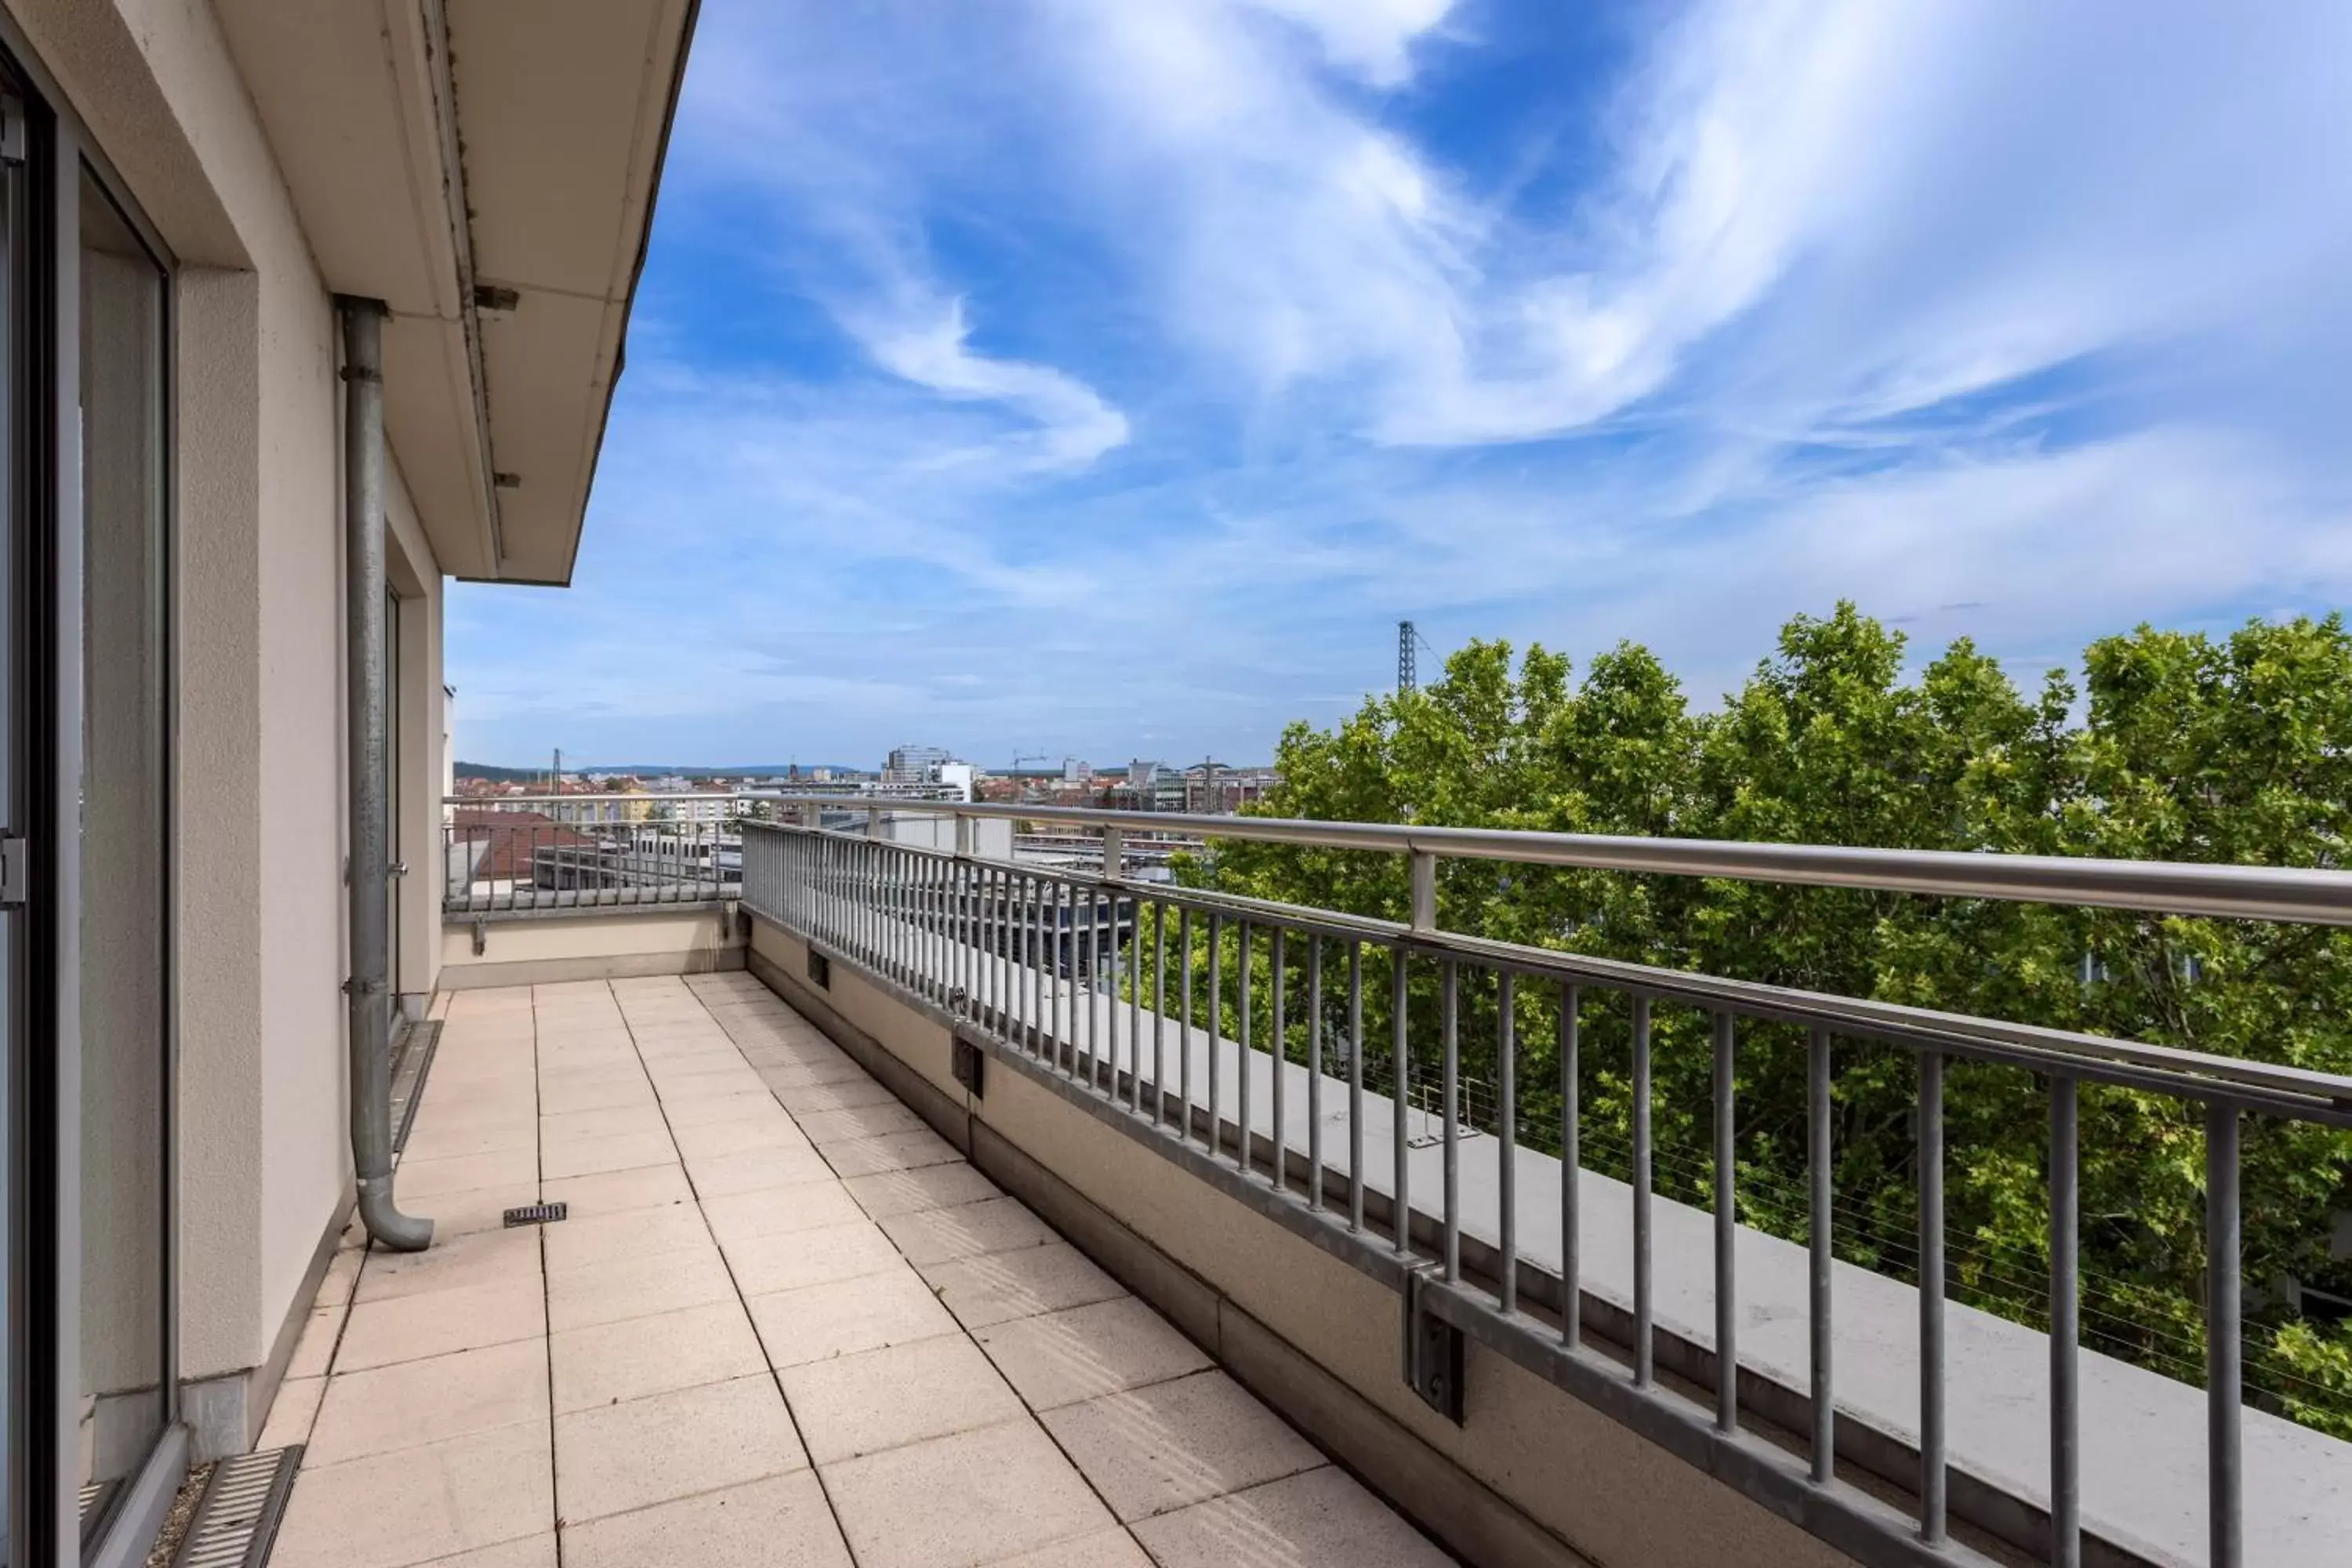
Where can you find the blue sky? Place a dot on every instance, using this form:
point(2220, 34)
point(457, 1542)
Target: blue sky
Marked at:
point(1109, 377)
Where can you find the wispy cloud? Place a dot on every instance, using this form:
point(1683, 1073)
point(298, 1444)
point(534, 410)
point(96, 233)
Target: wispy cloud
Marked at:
point(1046, 376)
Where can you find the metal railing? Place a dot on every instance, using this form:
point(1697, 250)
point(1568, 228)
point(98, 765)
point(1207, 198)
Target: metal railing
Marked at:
point(513, 855)
point(1074, 970)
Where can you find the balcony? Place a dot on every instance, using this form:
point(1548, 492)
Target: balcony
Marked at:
point(956, 1232)
point(784, 1323)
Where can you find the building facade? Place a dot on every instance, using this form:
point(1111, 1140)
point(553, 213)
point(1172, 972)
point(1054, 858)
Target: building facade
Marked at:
point(306, 309)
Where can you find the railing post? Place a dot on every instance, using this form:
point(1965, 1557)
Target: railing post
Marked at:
point(1425, 890)
point(963, 836)
point(1114, 852)
point(873, 822)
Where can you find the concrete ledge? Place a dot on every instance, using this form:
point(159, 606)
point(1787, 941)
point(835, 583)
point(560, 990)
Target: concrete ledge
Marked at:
point(621, 943)
point(478, 975)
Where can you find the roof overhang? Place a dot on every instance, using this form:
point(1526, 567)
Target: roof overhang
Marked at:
point(488, 169)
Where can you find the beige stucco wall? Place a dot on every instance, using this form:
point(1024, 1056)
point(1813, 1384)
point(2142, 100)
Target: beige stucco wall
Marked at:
point(1603, 1492)
point(264, 1154)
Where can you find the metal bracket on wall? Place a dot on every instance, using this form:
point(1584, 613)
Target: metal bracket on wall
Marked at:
point(1432, 1352)
point(820, 970)
point(969, 1061)
point(481, 938)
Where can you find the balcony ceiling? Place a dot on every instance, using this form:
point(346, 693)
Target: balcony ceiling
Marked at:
point(504, 151)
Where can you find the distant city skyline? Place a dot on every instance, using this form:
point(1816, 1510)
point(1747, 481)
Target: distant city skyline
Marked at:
point(1119, 398)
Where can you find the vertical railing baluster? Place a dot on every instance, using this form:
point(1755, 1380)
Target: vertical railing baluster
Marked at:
point(1451, 1071)
point(1159, 1015)
point(2223, 1347)
point(1820, 1238)
point(1931, 1298)
point(1506, 1132)
point(2065, 1328)
point(1216, 1031)
point(1280, 1054)
point(1571, 1218)
point(1644, 1367)
point(1242, 1153)
point(1356, 1084)
point(1726, 1220)
point(1135, 1002)
point(1314, 1071)
point(1184, 1024)
point(1400, 1054)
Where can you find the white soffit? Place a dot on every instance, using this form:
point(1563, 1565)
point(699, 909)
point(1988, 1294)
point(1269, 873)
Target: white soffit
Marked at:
point(561, 116)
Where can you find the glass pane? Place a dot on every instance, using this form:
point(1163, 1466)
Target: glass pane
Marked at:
point(125, 1054)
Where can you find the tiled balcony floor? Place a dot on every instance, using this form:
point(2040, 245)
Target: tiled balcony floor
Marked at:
point(785, 1323)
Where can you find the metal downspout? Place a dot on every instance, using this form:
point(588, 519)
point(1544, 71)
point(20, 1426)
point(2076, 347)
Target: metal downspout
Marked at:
point(369, 989)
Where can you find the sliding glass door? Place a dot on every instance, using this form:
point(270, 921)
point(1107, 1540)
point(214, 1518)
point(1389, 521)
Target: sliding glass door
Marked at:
point(93, 1449)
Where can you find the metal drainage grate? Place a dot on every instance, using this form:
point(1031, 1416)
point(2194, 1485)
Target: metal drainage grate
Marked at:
point(419, 1040)
point(537, 1214)
point(236, 1523)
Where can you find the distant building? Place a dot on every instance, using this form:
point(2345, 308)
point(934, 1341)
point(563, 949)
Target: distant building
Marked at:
point(914, 765)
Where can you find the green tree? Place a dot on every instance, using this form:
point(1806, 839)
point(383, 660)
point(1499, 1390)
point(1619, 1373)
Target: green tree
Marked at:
point(2176, 746)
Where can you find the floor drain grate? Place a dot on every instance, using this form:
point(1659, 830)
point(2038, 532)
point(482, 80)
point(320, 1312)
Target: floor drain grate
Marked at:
point(236, 1523)
point(537, 1214)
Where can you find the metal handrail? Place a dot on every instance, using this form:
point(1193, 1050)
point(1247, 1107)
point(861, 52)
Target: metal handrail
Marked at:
point(2311, 896)
point(991, 939)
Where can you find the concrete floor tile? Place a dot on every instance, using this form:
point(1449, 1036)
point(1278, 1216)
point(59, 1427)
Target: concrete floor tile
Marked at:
point(893, 1152)
point(1321, 1516)
point(712, 1138)
point(887, 1193)
point(636, 1286)
point(531, 1551)
point(777, 1211)
point(414, 1402)
point(516, 1168)
point(967, 1230)
point(721, 1108)
point(451, 1263)
point(1085, 1351)
point(791, 1075)
point(420, 1504)
point(867, 1313)
point(592, 1239)
point(1154, 1449)
point(826, 1128)
point(766, 1264)
point(1103, 1549)
point(742, 1078)
point(956, 1501)
point(595, 1156)
point(648, 1187)
point(808, 1096)
point(754, 1170)
point(781, 1523)
point(639, 1356)
point(439, 1323)
point(585, 1126)
point(998, 1287)
point(616, 1458)
point(463, 1213)
point(432, 1138)
point(291, 1411)
point(600, 1092)
point(341, 1277)
point(862, 1404)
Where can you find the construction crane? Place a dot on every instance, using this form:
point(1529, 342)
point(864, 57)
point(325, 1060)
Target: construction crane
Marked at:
point(1409, 642)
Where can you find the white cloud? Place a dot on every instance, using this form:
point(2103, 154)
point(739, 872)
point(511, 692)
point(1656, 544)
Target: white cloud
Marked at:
point(932, 350)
